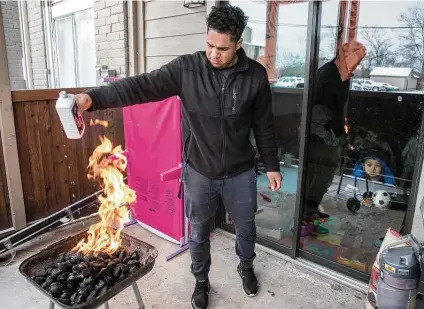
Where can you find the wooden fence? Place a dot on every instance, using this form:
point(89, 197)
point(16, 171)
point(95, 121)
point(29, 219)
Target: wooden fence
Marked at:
point(53, 168)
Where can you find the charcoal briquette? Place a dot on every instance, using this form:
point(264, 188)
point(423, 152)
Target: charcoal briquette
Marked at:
point(100, 285)
point(75, 259)
point(63, 277)
point(72, 278)
point(117, 272)
point(122, 255)
point(67, 266)
point(71, 287)
point(79, 299)
point(92, 295)
point(125, 268)
point(121, 276)
point(109, 280)
point(134, 263)
point(50, 280)
point(103, 255)
point(39, 280)
point(126, 259)
point(117, 260)
point(111, 265)
point(56, 289)
point(103, 290)
point(55, 273)
point(65, 294)
point(87, 282)
point(103, 272)
point(135, 256)
point(84, 292)
point(65, 301)
point(86, 272)
point(133, 269)
point(60, 258)
point(45, 285)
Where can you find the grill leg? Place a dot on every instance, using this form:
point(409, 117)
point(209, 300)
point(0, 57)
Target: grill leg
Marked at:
point(106, 305)
point(51, 305)
point(138, 296)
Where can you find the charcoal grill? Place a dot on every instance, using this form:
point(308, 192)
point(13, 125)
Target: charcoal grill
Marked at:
point(38, 262)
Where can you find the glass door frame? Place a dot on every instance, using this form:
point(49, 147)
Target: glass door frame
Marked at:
point(348, 19)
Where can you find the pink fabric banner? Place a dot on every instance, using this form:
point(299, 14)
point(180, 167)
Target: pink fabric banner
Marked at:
point(154, 144)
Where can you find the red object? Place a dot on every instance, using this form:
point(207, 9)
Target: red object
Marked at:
point(265, 198)
point(154, 146)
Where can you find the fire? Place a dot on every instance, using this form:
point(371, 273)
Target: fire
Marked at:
point(103, 123)
point(108, 165)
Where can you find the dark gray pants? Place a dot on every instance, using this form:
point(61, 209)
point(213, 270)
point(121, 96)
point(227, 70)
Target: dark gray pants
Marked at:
point(201, 201)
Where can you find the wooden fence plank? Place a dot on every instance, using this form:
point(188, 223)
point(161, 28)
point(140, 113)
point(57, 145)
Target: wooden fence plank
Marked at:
point(24, 156)
point(54, 168)
point(32, 112)
point(47, 152)
point(60, 160)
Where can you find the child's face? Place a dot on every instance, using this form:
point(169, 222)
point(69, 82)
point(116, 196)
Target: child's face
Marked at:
point(372, 168)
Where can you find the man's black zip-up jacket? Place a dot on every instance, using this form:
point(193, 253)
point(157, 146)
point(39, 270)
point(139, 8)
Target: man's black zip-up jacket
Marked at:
point(216, 117)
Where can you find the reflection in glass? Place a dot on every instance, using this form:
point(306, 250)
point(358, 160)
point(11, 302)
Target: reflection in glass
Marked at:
point(363, 139)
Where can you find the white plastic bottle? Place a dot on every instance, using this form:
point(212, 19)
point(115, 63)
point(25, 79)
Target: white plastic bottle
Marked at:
point(67, 109)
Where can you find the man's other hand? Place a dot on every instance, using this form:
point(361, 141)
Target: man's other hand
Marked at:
point(84, 102)
point(275, 180)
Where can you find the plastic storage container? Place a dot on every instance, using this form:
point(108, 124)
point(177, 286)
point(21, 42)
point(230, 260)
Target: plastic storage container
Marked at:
point(67, 109)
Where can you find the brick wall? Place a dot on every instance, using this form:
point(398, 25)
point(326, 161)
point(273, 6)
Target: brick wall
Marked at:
point(12, 33)
point(111, 35)
point(37, 43)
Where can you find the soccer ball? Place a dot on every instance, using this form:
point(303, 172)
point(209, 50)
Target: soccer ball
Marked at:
point(381, 199)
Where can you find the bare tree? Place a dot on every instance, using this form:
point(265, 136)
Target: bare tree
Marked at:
point(378, 47)
point(413, 41)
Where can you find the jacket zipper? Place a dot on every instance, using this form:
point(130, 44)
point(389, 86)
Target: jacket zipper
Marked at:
point(234, 101)
point(223, 128)
point(228, 80)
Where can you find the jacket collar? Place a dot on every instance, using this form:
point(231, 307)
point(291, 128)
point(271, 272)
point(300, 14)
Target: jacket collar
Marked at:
point(242, 62)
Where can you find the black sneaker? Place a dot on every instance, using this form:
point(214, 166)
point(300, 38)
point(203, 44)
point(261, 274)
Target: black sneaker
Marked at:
point(200, 298)
point(250, 283)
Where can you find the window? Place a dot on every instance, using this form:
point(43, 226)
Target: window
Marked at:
point(74, 52)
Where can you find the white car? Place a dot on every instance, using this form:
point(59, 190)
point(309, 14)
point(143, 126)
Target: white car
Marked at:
point(356, 86)
point(369, 84)
point(287, 82)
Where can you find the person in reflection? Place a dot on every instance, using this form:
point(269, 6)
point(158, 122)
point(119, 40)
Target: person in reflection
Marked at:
point(372, 166)
point(224, 95)
point(327, 136)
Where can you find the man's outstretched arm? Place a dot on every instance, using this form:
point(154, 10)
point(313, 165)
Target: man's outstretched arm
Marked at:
point(147, 87)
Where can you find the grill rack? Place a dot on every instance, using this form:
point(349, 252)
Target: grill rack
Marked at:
point(38, 261)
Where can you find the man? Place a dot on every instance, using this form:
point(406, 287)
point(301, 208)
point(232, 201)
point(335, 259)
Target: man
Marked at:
point(327, 126)
point(225, 95)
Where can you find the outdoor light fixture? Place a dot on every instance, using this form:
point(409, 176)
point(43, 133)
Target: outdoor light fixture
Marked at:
point(193, 3)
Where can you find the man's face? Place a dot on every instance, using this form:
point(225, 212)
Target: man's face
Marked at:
point(220, 50)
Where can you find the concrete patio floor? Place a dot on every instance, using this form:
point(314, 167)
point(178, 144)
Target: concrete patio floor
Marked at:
point(169, 285)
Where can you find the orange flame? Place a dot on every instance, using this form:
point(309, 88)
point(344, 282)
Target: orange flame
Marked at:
point(108, 165)
point(103, 123)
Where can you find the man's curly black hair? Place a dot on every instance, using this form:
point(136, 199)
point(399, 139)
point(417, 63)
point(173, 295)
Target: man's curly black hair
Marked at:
point(229, 20)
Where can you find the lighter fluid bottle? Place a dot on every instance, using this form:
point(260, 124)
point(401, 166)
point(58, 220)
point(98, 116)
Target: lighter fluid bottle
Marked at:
point(67, 109)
